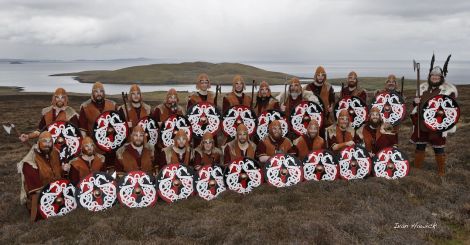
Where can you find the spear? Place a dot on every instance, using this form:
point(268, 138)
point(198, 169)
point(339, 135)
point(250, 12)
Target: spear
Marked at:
point(416, 67)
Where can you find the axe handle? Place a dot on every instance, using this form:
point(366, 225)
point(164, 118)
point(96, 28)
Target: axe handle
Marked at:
point(124, 98)
point(252, 92)
point(419, 95)
point(18, 135)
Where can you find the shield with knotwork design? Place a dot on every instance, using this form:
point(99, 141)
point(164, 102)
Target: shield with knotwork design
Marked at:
point(354, 163)
point(392, 107)
point(67, 139)
point(265, 118)
point(204, 117)
point(243, 175)
point(137, 189)
point(57, 199)
point(210, 181)
point(151, 129)
point(440, 113)
point(171, 125)
point(391, 163)
point(237, 115)
point(175, 182)
point(321, 165)
point(303, 113)
point(356, 108)
point(97, 192)
point(110, 131)
point(283, 170)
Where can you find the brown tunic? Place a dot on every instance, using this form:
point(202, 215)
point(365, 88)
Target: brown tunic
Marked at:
point(266, 104)
point(80, 167)
point(201, 158)
point(304, 145)
point(196, 97)
point(49, 116)
point(232, 151)
point(337, 136)
point(374, 140)
point(231, 99)
point(358, 92)
point(41, 169)
point(269, 147)
point(162, 112)
point(327, 95)
point(90, 110)
point(133, 114)
point(131, 160)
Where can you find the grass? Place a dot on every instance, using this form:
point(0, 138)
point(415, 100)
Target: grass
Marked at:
point(340, 212)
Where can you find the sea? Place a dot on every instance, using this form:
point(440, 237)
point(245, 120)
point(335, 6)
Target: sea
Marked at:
point(34, 76)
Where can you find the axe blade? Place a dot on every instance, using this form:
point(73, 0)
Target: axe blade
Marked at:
point(8, 127)
point(414, 65)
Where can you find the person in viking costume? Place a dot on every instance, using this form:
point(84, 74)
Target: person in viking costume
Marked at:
point(203, 84)
point(309, 142)
point(136, 155)
point(87, 162)
point(236, 97)
point(136, 107)
point(264, 100)
point(391, 85)
point(295, 95)
point(239, 147)
point(341, 135)
point(274, 143)
point(207, 152)
point(376, 134)
point(90, 111)
point(168, 108)
point(322, 89)
point(38, 168)
point(352, 88)
point(180, 152)
point(436, 85)
point(57, 111)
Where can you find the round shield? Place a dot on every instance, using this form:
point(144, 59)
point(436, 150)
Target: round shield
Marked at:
point(57, 198)
point(175, 182)
point(357, 110)
point(171, 126)
point(321, 165)
point(137, 190)
point(282, 170)
point(97, 191)
point(151, 129)
point(303, 113)
point(210, 182)
point(237, 115)
point(243, 175)
point(204, 117)
point(440, 113)
point(266, 118)
point(391, 163)
point(355, 163)
point(392, 107)
point(66, 139)
point(110, 131)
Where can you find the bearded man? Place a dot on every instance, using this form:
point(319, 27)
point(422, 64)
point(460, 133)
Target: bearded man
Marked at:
point(136, 155)
point(274, 143)
point(179, 152)
point(236, 97)
point(136, 107)
point(264, 100)
point(309, 142)
point(352, 88)
point(206, 153)
point(87, 162)
point(295, 95)
point(203, 83)
point(322, 89)
point(57, 111)
point(239, 147)
point(341, 135)
point(168, 108)
point(391, 85)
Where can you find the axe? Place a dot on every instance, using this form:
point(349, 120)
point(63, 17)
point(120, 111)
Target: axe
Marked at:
point(416, 67)
point(124, 99)
point(254, 85)
point(218, 90)
point(8, 127)
point(402, 84)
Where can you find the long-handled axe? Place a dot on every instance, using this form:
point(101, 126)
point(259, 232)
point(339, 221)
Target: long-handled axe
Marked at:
point(9, 127)
point(416, 67)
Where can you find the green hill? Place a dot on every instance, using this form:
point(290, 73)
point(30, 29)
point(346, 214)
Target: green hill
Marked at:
point(183, 73)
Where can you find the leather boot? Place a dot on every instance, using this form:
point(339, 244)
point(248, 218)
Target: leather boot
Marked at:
point(441, 164)
point(419, 158)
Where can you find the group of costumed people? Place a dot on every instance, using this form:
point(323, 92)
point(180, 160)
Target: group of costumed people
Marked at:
point(289, 130)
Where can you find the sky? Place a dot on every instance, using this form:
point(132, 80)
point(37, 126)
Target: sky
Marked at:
point(226, 30)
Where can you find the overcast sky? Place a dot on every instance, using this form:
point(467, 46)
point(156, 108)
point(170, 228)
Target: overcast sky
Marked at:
point(267, 30)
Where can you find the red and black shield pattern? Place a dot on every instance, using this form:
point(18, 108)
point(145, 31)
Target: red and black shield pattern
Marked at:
point(151, 129)
point(57, 199)
point(137, 189)
point(440, 113)
point(237, 115)
point(204, 117)
point(354, 163)
point(66, 138)
point(321, 165)
point(97, 192)
point(175, 182)
point(392, 107)
point(210, 182)
point(303, 113)
point(265, 118)
point(283, 170)
point(357, 110)
point(243, 175)
point(171, 125)
point(391, 163)
point(110, 131)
